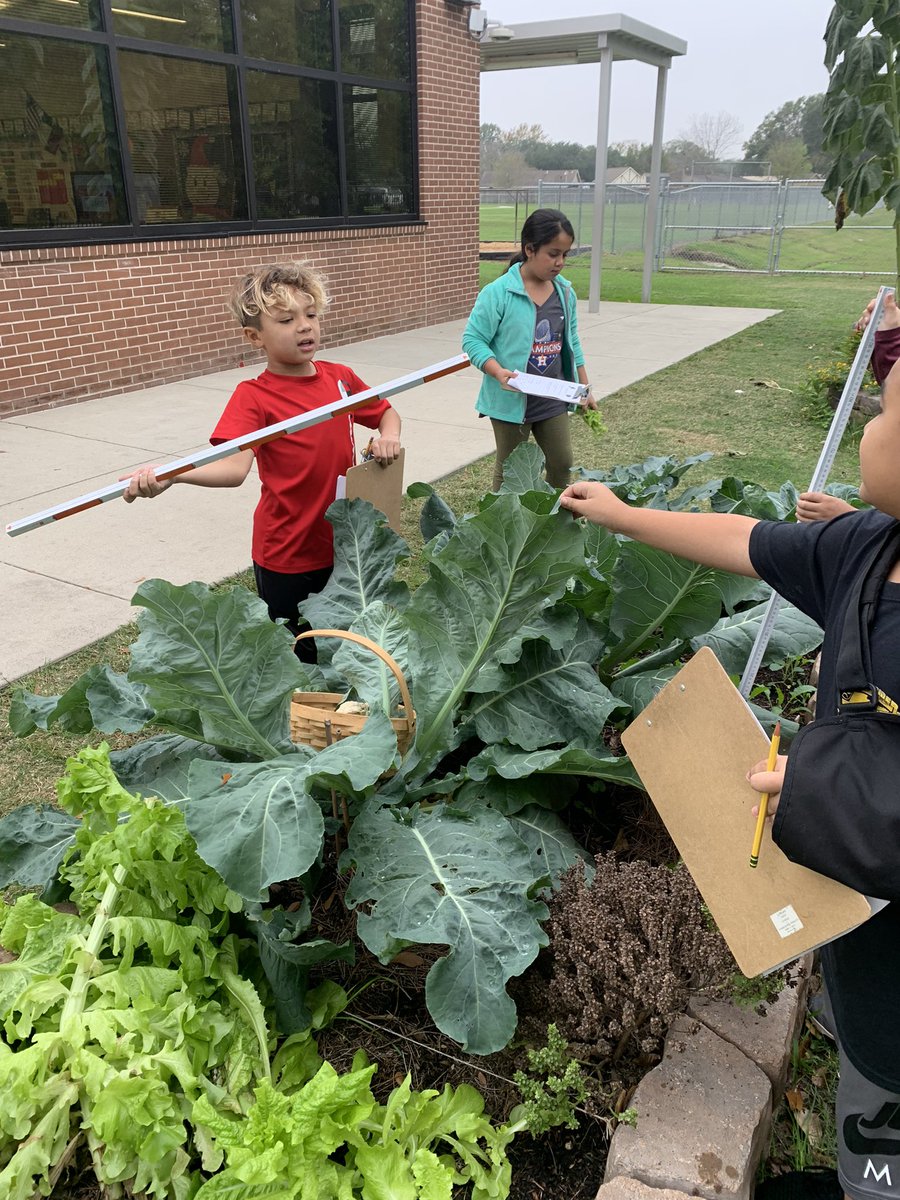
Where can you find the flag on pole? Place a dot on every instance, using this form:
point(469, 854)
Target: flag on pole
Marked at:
point(35, 116)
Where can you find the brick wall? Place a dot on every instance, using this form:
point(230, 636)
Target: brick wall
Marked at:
point(85, 321)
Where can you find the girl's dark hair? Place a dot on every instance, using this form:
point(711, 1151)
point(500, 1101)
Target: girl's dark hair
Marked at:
point(541, 227)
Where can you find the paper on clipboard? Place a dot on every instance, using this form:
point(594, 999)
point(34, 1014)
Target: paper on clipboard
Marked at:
point(692, 747)
point(551, 389)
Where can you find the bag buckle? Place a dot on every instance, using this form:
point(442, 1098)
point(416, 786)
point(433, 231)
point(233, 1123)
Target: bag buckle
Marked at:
point(859, 701)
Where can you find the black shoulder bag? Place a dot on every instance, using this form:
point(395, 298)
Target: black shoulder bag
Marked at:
point(839, 810)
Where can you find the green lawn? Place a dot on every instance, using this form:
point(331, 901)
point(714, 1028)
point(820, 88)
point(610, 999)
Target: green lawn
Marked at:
point(704, 237)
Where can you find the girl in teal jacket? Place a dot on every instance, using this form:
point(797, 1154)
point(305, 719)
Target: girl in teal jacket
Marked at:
point(526, 321)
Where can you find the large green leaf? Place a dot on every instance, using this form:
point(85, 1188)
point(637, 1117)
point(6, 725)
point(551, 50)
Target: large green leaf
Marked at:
point(258, 823)
point(460, 881)
point(160, 765)
point(372, 679)
point(654, 590)
point(552, 847)
point(99, 699)
point(523, 471)
point(731, 639)
point(287, 960)
point(215, 667)
point(366, 553)
point(638, 689)
point(255, 823)
point(549, 696)
point(33, 842)
point(488, 591)
point(570, 760)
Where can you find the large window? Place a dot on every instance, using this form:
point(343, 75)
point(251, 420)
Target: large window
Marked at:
point(118, 117)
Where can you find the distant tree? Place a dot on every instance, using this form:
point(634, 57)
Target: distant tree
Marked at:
point(679, 155)
point(714, 133)
point(789, 159)
point(862, 109)
point(796, 120)
point(523, 133)
point(562, 156)
point(491, 148)
point(631, 154)
point(510, 170)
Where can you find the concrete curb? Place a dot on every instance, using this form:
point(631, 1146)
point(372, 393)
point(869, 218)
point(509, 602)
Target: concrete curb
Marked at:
point(705, 1112)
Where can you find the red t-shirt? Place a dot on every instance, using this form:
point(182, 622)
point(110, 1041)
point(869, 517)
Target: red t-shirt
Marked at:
point(299, 471)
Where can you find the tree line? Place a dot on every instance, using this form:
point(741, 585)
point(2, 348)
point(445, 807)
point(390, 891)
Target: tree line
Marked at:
point(786, 144)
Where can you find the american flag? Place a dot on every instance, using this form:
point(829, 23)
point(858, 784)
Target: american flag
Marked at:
point(35, 116)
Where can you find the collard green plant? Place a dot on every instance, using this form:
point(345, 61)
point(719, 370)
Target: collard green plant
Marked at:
point(862, 109)
point(529, 636)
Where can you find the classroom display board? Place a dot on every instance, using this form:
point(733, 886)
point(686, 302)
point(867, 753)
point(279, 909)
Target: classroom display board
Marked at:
point(692, 747)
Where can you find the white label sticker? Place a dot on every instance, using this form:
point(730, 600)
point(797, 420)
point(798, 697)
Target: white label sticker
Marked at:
point(786, 921)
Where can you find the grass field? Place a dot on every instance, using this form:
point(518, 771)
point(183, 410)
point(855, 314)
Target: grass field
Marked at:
point(703, 236)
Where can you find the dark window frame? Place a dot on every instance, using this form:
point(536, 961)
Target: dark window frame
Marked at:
point(74, 235)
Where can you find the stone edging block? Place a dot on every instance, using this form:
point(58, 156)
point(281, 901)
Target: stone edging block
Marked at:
point(704, 1113)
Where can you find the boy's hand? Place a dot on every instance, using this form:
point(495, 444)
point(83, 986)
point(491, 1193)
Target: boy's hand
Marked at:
point(765, 781)
point(817, 506)
point(890, 314)
point(144, 483)
point(592, 500)
point(385, 449)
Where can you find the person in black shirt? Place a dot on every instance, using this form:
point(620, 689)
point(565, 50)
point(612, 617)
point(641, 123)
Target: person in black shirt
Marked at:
point(813, 565)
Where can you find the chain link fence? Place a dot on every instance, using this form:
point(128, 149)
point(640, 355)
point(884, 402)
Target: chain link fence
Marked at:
point(759, 226)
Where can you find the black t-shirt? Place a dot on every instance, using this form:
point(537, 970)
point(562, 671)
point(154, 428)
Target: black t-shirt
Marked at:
point(813, 566)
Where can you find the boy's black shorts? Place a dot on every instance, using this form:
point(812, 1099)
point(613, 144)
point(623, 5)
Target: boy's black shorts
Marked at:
point(283, 593)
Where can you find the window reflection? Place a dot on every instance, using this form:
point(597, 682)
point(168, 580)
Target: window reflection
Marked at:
point(182, 131)
point(318, 153)
point(289, 31)
point(375, 38)
point(202, 23)
point(293, 126)
point(77, 14)
point(60, 165)
point(379, 151)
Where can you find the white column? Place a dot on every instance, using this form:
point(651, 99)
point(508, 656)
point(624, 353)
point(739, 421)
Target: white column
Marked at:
point(653, 198)
point(606, 61)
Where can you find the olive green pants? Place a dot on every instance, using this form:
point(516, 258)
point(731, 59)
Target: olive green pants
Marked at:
point(551, 435)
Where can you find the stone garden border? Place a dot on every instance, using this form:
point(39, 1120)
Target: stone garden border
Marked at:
point(705, 1112)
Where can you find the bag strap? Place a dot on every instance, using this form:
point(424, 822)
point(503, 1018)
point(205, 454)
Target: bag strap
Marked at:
point(853, 672)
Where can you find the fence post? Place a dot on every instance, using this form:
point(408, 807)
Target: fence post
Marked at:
point(778, 226)
point(540, 198)
point(661, 223)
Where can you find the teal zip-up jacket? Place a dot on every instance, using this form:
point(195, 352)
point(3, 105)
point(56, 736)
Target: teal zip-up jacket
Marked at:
point(501, 326)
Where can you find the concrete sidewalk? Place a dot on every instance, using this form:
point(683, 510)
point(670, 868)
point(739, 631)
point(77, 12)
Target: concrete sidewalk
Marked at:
point(65, 585)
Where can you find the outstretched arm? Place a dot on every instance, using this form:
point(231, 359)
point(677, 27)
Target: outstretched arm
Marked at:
point(720, 540)
point(225, 472)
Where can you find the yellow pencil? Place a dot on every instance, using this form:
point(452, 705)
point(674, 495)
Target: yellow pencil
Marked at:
point(764, 798)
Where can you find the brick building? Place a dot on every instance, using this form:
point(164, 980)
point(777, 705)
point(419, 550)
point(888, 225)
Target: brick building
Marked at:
point(151, 151)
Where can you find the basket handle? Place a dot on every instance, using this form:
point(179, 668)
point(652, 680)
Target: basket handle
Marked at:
point(376, 649)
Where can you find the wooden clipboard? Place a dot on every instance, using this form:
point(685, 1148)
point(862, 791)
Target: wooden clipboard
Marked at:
point(381, 486)
point(692, 747)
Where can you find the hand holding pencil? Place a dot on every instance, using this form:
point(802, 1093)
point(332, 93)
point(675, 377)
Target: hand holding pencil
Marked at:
point(766, 777)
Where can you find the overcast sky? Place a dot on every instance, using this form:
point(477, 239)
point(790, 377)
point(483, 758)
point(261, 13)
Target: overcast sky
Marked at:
point(743, 58)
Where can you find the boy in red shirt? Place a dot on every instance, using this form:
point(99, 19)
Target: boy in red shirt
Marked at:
point(279, 309)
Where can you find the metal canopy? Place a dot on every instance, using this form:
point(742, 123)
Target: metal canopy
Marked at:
point(614, 37)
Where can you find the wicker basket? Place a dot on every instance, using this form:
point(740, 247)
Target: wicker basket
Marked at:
point(310, 710)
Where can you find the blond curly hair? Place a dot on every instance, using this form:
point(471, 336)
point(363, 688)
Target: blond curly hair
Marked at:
point(270, 287)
